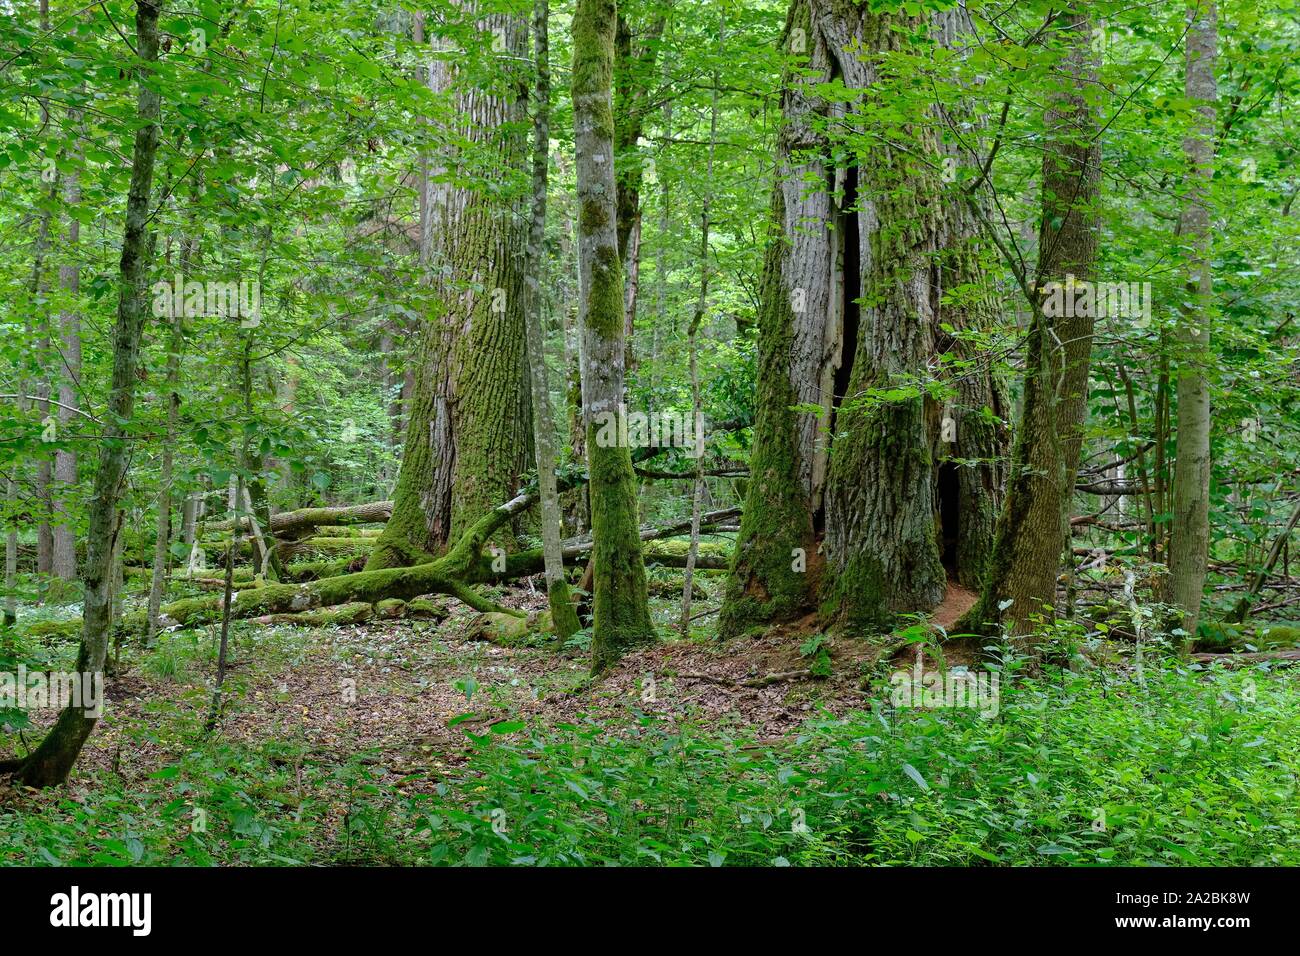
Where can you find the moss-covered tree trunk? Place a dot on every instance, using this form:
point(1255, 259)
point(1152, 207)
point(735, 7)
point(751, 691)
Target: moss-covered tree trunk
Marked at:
point(1033, 527)
point(774, 572)
point(51, 762)
point(854, 312)
point(621, 615)
point(467, 437)
point(912, 248)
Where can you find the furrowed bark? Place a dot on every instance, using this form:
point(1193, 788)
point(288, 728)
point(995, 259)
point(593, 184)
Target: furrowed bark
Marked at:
point(852, 311)
point(1033, 527)
point(775, 574)
point(467, 440)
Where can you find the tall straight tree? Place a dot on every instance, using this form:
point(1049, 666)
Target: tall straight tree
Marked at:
point(621, 614)
point(634, 70)
point(44, 384)
point(776, 564)
point(1189, 533)
point(1033, 528)
point(467, 437)
point(65, 459)
point(51, 762)
point(563, 615)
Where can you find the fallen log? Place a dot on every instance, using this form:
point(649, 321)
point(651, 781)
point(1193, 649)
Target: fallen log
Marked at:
point(304, 521)
point(576, 550)
point(359, 613)
point(320, 546)
point(453, 574)
point(1242, 660)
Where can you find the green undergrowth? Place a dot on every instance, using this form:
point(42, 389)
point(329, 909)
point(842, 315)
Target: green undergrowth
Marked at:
point(1181, 766)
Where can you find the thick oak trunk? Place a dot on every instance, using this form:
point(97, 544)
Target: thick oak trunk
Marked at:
point(467, 438)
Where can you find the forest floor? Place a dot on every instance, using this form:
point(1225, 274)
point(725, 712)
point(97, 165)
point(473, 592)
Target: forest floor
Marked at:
point(393, 689)
point(399, 741)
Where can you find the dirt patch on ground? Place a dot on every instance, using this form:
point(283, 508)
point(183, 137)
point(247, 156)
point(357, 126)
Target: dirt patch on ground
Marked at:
point(956, 602)
point(405, 693)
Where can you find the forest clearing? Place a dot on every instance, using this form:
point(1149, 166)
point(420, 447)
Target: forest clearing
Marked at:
point(753, 433)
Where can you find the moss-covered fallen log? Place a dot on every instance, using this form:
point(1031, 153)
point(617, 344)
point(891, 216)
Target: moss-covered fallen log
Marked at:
point(1277, 658)
point(1217, 636)
point(509, 629)
point(454, 574)
point(668, 553)
point(295, 573)
point(320, 546)
point(359, 613)
point(304, 521)
point(713, 555)
point(673, 589)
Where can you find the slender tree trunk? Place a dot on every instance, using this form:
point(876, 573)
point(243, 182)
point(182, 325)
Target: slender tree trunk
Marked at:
point(41, 392)
point(621, 614)
point(162, 535)
point(41, 395)
point(701, 306)
point(1278, 548)
point(563, 615)
point(1033, 528)
point(65, 459)
point(11, 546)
point(1189, 532)
point(51, 762)
point(634, 66)
point(214, 711)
